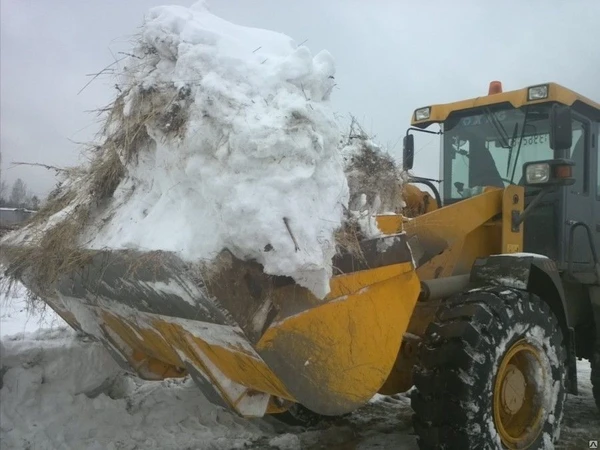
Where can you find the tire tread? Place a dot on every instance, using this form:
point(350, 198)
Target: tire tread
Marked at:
point(455, 360)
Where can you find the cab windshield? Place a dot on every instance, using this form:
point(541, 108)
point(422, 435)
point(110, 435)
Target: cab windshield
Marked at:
point(488, 147)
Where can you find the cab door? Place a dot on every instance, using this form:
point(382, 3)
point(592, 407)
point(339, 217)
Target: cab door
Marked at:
point(579, 200)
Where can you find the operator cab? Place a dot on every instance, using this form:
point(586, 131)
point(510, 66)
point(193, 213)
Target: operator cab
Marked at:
point(544, 138)
point(490, 148)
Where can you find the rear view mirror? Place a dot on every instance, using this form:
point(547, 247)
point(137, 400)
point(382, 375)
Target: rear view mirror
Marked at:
point(408, 152)
point(561, 133)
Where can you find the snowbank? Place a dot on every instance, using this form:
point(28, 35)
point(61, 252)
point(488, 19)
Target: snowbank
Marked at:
point(19, 315)
point(61, 391)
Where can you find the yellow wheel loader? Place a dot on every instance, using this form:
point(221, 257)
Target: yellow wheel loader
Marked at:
point(507, 253)
point(481, 295)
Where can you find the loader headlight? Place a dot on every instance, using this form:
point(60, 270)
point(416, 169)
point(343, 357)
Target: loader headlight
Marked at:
point(537, 173)
point(552, 172)
point(423, 113)
point(537, 92)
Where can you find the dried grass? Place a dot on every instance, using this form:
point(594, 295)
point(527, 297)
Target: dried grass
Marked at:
point(105, 175)
point(56, 253)
point(56, 202)
point(374, 174)
point(208, 272)
point(347, 239)
point(45, 256)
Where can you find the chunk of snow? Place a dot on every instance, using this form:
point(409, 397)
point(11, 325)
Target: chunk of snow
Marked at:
point(260, 146)
point(465, 377)
point(548, 442)
point(524, 255)
point(286, 442)
point(511, 282)
point(374, 180)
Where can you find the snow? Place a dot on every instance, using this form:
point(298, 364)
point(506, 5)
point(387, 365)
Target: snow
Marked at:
point(286, 441)
point(524, 255)
point(548, 442)
point(74, 396)
point(464, 376)
point(18, 209)
point(248, 405)
point(536, 336)
point(255, 164)
point(174, 288)
point(374, 181)
point(511, 282)
point(259, 148)
point(18, 316)
point(231, 337)
point(88, 320)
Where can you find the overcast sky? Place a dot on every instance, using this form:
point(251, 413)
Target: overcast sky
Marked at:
point(392, 57)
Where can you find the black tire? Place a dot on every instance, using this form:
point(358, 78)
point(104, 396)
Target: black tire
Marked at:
point(300, 416)
point(460, 355)
point(595, 377)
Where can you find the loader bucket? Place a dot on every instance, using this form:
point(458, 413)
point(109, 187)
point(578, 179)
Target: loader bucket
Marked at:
point(253, 343)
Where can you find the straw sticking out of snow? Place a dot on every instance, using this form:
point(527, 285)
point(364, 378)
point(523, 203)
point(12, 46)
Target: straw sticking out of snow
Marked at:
point(246, 156)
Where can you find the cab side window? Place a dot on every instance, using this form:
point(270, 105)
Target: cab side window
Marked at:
point(580, 155)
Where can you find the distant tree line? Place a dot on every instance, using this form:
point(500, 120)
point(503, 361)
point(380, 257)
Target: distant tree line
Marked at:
point(17, 196)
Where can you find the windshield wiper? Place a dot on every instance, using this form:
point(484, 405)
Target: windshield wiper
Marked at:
point(520, 143)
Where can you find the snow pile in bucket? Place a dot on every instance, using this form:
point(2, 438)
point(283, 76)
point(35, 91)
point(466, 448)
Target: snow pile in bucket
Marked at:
point(241, 152)
point(222, 137)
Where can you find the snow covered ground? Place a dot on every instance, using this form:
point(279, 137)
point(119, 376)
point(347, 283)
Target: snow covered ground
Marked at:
point(63, 391)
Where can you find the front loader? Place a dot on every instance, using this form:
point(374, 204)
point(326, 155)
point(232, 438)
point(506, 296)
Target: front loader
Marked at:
point(481, 295)
point(507, 253)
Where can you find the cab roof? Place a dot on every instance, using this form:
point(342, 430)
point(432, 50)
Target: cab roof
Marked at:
point(556, 93)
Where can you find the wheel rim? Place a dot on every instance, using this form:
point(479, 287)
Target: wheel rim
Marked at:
point(519, 395)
